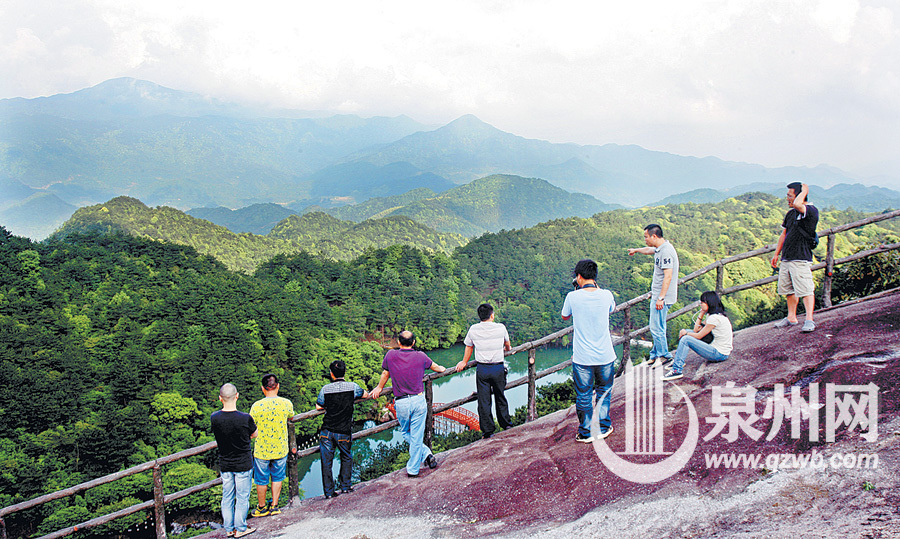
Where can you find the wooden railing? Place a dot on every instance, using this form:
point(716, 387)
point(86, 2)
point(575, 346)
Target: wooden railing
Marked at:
point(160, 499)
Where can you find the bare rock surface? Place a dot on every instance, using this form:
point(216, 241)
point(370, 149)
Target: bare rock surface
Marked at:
point(535, 480)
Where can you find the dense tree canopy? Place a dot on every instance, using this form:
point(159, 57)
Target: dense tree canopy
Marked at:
point(314, 232)
point(112, 347)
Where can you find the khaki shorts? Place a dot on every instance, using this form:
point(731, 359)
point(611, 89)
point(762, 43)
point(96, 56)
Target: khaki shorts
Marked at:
point(795, 277)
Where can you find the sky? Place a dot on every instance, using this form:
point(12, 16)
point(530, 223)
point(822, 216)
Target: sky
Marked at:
point(773, 82)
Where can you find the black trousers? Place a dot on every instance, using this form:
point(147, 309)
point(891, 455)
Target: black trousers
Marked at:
point(490, 379)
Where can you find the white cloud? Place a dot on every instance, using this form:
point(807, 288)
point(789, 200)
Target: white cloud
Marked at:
point(837, 18)
point(26, 46)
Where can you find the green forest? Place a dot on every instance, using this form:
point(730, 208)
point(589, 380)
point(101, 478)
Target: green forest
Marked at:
point(316, 233)
point(488, 204)
point(113, 346)
point(437, 223)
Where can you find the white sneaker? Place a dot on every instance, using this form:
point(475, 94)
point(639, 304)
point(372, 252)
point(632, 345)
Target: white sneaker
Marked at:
point(784, 322)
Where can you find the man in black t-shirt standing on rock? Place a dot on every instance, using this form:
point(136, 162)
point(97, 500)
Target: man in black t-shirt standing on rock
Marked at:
point(795, 245)
point(233, 431)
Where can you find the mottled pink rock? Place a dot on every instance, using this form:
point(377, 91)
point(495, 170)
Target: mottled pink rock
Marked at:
point(537, 478)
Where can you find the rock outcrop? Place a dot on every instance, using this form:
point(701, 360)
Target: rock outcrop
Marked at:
point(535, 480)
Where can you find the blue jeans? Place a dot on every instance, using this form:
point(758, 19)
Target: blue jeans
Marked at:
point(328, 441)
point(411, 413)
point(658, 332)
point(590, 381)
point(706, 351)
point(235, 500)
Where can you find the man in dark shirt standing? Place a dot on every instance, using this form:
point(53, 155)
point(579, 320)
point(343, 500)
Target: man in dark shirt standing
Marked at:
point(337, 399)
point(795, 247)
point(233, 431)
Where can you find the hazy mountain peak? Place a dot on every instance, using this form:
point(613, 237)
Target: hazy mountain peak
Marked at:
point(125, 98)
point(470, 123)
point(131, 90)
point(124, 86)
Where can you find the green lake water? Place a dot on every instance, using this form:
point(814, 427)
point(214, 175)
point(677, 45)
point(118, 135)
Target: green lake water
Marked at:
point(448, 389)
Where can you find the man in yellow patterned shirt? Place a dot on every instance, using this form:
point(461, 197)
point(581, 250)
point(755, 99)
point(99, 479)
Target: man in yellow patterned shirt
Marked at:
point(271, 449)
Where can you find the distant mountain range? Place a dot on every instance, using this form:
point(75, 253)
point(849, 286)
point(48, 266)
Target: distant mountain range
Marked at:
point(468, 148)
point(36, 215)
point(255, 219)
point(842, 196)
point(484, 205)
point(360, 181)
point(136, 138)
point(174, 148)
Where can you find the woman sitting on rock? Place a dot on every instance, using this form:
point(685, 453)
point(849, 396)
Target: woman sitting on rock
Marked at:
point(716, 324)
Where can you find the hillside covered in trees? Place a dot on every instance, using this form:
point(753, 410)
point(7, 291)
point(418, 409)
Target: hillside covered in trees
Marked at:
point(488, 204)
point(112, 349)
point(112, 346)
point(315, 233)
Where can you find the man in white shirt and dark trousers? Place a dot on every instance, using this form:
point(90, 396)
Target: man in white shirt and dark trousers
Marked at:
point(489, 340)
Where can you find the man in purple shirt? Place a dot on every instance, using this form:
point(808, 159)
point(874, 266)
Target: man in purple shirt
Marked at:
point(406, 367)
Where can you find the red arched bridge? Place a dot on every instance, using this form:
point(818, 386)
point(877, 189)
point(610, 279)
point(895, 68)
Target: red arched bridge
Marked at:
point(453, 420)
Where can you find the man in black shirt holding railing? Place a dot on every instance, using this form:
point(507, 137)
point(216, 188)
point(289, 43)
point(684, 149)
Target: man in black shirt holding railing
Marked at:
point(337, 399)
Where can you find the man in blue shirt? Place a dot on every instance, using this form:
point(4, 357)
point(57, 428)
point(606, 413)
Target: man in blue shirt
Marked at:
point(593, 355)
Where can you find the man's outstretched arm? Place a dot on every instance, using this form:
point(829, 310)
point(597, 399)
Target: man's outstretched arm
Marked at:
point(384, 378)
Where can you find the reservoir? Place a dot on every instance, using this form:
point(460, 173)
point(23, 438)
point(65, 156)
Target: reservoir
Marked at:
point(445, 390)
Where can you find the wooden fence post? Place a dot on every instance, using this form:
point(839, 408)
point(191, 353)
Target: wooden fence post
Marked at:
point(532, 387)
point(626, 344)
point(829, 272)
point(429, 417)
point(720, 278)
point(159, 502)
point(293, 478)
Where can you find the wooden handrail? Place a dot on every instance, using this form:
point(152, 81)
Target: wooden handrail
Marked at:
point(429, 378)
point(147, 466)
